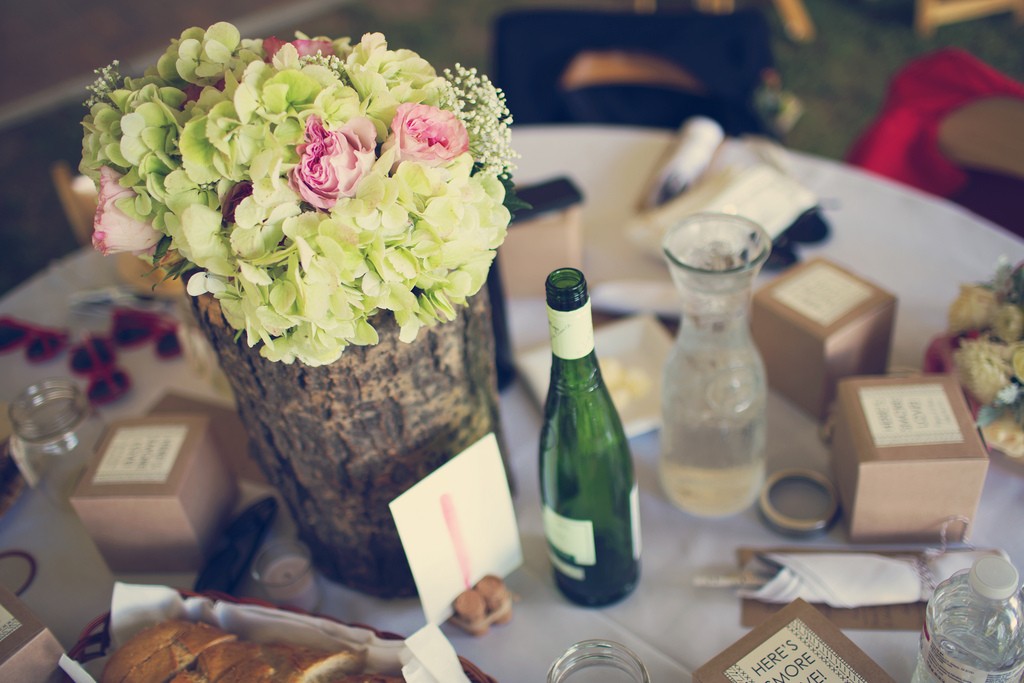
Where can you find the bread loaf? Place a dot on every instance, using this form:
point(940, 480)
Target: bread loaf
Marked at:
point(157, 654)
point(184, 652)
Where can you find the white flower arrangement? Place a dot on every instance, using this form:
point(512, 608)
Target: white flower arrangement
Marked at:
point(306, 185)
point(987, 324)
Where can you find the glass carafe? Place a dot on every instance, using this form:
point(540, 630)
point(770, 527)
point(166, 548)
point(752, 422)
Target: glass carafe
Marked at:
point(714, 388)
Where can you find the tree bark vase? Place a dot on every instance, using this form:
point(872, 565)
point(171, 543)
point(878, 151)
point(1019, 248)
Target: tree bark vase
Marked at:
point(341, 441)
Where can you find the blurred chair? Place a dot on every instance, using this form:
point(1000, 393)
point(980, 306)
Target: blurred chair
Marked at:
point(930, 14)
point(648, 69)
point(987, 135)
point(951, 125)
point(77, 196)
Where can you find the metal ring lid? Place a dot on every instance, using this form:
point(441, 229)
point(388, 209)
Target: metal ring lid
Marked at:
point(799, 486)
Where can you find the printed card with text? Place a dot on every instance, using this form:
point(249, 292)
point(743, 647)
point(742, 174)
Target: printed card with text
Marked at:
point(457, 525)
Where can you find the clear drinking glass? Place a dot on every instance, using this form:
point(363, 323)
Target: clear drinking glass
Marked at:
point(598, 661)
point(55, 434)
point(714, 388)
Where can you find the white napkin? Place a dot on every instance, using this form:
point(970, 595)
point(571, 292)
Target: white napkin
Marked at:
point(854, 579)
point(696, 143)
point(430, 658)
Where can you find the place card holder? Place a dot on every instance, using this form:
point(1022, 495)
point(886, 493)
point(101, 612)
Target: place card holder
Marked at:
point(28, 650)
point(156, 494)
point(797, 643)
point(907, 458)
point(817, 323)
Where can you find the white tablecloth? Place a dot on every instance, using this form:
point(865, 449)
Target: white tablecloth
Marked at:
point(916, 246)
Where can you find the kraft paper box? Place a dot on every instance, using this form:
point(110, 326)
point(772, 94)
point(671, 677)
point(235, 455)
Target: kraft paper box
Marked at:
point(155, 496)
point(547, 236)
point(907, 458)
point(28, 650)
point(816, 324)
point(796, 644)
point(228, 430)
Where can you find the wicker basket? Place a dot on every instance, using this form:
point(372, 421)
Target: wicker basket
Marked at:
point(94, 641)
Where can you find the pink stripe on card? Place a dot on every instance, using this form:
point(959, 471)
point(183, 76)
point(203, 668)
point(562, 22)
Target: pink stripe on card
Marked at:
point(451, 520)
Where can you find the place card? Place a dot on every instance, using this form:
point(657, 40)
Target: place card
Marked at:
point(796, 644)
point(458, 525)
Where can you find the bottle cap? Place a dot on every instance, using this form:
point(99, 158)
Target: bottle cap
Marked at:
point(994, 577)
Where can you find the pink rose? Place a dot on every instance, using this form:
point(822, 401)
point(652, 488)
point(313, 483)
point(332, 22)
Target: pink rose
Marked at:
point(114, 230)
point(305, 48)
point(427, 134)
point(331, 163)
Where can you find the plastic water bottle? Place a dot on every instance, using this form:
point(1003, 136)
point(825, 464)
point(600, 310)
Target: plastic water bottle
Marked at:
point(974, 627)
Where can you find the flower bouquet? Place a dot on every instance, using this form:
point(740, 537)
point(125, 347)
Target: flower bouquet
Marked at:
point(984, 346)
point(305, 185)
point(330, 203)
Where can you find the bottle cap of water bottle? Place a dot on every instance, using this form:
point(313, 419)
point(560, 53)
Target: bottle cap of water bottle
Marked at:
point(994, 577)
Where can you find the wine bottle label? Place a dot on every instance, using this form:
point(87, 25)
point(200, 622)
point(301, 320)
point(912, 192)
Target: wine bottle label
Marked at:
point(572, 332)
point(573, 540)
point(947, 670)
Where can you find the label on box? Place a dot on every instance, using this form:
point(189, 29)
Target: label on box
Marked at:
point(909, 414)
point(144, 454)
point(793, 653)
point(821, 293)
point(8, 623)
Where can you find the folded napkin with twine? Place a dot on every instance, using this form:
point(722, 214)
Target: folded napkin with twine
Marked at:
point(853, 579)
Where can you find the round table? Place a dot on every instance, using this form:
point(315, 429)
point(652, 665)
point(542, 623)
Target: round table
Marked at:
point(918, 247)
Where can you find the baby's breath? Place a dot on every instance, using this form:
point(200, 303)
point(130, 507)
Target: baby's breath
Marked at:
point(481, 108)
point(332, 62)
point(108, 79)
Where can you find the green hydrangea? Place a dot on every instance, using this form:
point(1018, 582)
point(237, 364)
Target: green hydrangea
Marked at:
point(210, 139)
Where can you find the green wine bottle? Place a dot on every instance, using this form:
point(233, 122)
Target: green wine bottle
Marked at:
point(587, 485)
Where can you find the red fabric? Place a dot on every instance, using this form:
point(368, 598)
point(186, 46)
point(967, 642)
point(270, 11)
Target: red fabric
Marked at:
point(902, 142)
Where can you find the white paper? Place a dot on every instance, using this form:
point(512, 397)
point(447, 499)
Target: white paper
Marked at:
point(458, 525)
point(430, 658)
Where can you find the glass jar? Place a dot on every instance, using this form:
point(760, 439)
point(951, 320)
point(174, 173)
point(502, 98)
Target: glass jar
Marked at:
point(598, 661)
point(55, 433)
point(714, 388)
